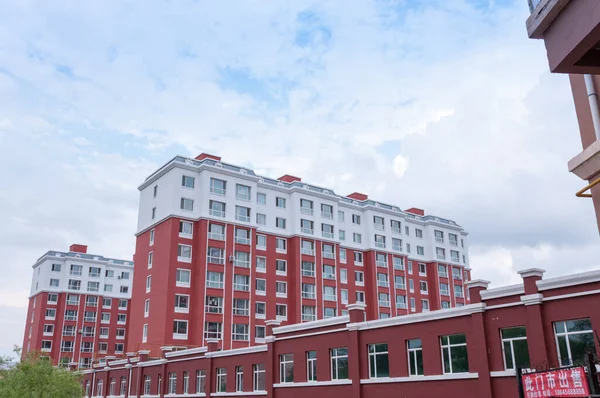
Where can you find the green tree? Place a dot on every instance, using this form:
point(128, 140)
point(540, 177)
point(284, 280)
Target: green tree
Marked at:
point(35, 377)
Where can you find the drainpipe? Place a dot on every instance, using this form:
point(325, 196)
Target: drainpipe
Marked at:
point(593, 98)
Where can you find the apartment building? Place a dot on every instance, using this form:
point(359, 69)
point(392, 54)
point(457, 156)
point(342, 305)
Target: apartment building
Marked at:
point(78, 307)
point(221, 250)
point(571, 33)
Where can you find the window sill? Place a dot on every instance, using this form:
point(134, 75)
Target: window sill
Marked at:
point(281, 295)
point(184, 259)
point(281, 273)
point(177, 336)
point(182, 310)
point(185, 236)
point(408, 379)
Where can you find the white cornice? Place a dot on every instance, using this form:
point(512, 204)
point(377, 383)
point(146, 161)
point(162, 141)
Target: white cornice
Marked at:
point(569, 280)
point(532, 299)
point(526, 273)
point(421, 317)
point(410, 379)
point(311, 325)
point(152, 363)
point(356, 306)
point(313, 384)
point(504, 291)
point(477, 283)
point(118, 362)
point(191, 351)
point(233, 394)
point(503, 373)
point(237, 351)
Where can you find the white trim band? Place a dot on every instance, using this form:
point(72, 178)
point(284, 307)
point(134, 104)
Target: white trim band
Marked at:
point(408, 379)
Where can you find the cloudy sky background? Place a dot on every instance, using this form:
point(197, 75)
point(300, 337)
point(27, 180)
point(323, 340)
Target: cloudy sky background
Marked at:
point(440, 104)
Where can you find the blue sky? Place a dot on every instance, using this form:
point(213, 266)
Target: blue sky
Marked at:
point(439, 104)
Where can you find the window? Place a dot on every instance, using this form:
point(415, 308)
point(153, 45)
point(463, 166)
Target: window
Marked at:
point(514, 347)
point(308, 291)
point(216, 231)
point(48, 330)
point(281, 267)
point(396, 226)
point(200, 381)
point(93, 286)
point(186, 204)
point(52, 298)
point(344, 294)
point(410, 269)
point(260, 310)
point(442, 271)
point(384, 300)
point(183, 278)
point(108, 287)
point(342, 255)
point(221, 379)
point(339, 363)
point(311, 366)
point(343, 275)
point(261, 264)
point(106, 302)
point(418, 233)
point(70, 315)
point(261, 242)
point(379, 365)
point(218, 187)
point(241, 259)
point(306, 226)
point(67, 346)
point(186, 382)
point(280, 202)
point(105, 317)
point(216, 209)
point(341, 216)
point(261, 219)
point(424, 305)
point(261, 198)
point(454, 256)
point(420, 250)
point(407, 230)
point(456, 274)
point(328, 251)
point(422, 269)
point(46, 345)
point(54, 282)
point(360, 297)
point(355, 219)
point(184, 253)
point(329, 272)
point(153, 213)
point(397, 244)
point(329, 293)
point(445, 304)
point(56, 267)
point(242, 192)
point(307, 248)
point(440, 253)
point(121, 318)
point(74, 285)
point(241, 283)
point(356, 238)
point(423, 287)
point(124, 275)
point(281, 245)
point(148, 283)
point(214, 304)
point(180, 329)
point(359, 278)
point(240, 332)
point(172, 389)
point(259, 379)
point(444, 291)
point(574, 339)
point(286, 368)
point(306, 206)
point(242, 213)
point(214, 280)
point(259, 332)
point(76, 270)
point(329, 312)
point(453, 239)
point(458, 292)
point(185, 229)
point(239, 378)
point(309, 313)
point(281, 312)
point(182, 303)
point(415, 357)
point(382, 280)
point(213, 330)
point(454, 353)
point(381, 260)
point(261, 287)
point(399, 282)
point(413, 306)
point(398, 263)
point(241, 307)
point(400, 302)
point(109, 274)
point(358, 258)
point(439, 236)
point(308, 268)
point(242, 236)
point(342, 235)
point(147, 384)
point(379, 223)
point(145, 333)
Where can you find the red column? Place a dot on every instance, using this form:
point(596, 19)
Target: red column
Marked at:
point(356, 313)
point(212, 346)
point(534, 324)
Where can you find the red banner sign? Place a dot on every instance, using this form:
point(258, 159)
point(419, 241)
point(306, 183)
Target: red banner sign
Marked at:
point(556, 383)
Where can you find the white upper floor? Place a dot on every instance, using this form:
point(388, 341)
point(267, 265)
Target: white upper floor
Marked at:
point(210, 189)
point(81, 273)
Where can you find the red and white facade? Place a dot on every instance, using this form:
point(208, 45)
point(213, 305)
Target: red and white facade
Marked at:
point(220, 250)
point(78, 307)
point(471, 351)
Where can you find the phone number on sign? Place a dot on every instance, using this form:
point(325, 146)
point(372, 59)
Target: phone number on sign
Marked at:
point(569, 392)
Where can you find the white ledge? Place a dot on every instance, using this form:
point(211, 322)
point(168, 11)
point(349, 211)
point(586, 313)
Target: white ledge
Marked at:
point(314, 383)
point(237, 351)
point(311, 325)
point(410, 379)
point(527, 273)
point(420, 317)
point(232, 394)
point(190, 351)
point(152, 363)
point(504, 373)
point(569, 280)
point(504, 291)
point(477, 283)
point(532, 299)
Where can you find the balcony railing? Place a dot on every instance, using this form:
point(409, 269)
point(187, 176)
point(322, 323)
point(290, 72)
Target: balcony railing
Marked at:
point(399, 267)
point(396, 231)
point(329, 255)
point(309, 317)
point(444, 292)
point(241, 287)
point(308, 295)
point(306, 210)
point(381, 263)
point(305, 230)
point(242, 217)
point(218, 191)
point(441, 256)
point(400, 305)
point(329, 297)
point(384, 303)
point(243, 196)
point(327, 275)
point(215, 260)
point(455, 259)
point(453, 242)
point(400, 286)
point(439, 240)
point(328, 235)
point(379, 227)
point(380, 245)
point(309, 252)
point(216, 236)
point(242, 241)
point(326, 214)
point(397, 248)
point(242, 263)
point(214, 284)
point(383, 283)
point(216, 213)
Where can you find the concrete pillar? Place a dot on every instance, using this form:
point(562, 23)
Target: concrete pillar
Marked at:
point(534, 323)
point(357, 314)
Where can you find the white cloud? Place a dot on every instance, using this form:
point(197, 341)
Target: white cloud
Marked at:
point(443, 105)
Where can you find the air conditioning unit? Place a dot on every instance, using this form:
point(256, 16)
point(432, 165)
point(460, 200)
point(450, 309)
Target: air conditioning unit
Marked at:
point(231, 258)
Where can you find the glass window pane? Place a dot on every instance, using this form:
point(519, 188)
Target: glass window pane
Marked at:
point(460, 361)
point(581, 344)
point(562, 351)
point(382, 365)
point(521, 353)
point(579, 325)
point(416, 343)
point(420, 362)
point(446, 360)
point(458, 339)
point(559, 327)
point(510, 333)
point(508, 355)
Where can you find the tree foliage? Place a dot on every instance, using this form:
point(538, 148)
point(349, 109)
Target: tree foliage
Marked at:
point(35, 377)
